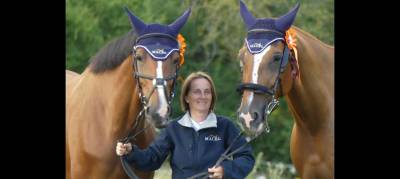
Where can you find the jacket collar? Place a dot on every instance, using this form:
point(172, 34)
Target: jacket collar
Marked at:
point(210, 121)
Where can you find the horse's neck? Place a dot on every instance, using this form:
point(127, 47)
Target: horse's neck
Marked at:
point(311, 98)
point(118, 98)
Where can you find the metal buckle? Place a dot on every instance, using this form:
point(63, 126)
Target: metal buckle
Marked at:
point(272, 106)
point(268, 110)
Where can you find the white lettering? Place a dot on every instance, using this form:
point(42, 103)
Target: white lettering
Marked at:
point(212, 138)
point(256, 45)
point(159, 51)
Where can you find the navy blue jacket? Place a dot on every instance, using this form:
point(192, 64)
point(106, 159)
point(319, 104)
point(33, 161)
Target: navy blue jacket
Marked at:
point(194, 152)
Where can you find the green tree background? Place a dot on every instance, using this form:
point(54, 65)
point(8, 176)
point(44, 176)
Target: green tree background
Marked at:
point(214, 33)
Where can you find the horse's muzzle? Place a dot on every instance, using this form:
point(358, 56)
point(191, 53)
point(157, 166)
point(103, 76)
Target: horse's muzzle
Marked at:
point(159, 121)
point(252, 122)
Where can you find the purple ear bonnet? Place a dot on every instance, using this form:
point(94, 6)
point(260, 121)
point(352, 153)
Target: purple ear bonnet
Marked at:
point(263, 32)
point(158, 40)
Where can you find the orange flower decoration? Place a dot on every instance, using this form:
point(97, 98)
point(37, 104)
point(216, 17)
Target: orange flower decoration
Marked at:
point(182, 48)
point(291, 43)
point(291, 40)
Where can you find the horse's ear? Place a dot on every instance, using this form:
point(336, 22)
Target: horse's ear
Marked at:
point(136, 23)
point(247, 17)
point(178, 23)
point(284, 22)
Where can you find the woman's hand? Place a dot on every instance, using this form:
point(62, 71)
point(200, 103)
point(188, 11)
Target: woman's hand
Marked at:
point(123, 149)
point(216, 172)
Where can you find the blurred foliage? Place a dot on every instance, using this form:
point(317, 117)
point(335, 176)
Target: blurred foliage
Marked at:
point(214, 33)
point(271, 170)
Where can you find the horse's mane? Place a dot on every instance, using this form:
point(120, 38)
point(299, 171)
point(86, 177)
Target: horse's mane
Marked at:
point(113, 54)
point(312, 37)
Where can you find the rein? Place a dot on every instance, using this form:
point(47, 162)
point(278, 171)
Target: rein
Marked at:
point(125, 164)
point(224, 156)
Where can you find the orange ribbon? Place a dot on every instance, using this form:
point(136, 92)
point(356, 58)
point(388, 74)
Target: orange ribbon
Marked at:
point(291, 43)
point(291, 40)
point(182, 48)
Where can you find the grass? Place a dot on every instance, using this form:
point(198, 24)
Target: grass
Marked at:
point(164, 172)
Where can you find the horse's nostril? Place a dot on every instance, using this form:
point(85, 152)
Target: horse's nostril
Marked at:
point(168, 110)
point(255, 115)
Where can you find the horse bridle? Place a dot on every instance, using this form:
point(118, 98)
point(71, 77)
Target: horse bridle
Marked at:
point(157, 82)
point(261, 89)
point(144, 99)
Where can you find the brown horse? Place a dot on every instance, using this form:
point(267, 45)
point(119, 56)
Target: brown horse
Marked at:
point(271, 70)
point(102, 104)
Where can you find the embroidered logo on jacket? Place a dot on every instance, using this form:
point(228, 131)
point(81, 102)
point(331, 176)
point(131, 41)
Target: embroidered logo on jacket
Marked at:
point(212, 138)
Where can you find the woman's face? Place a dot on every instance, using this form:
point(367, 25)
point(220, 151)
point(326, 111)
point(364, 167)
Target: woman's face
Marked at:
point(199, 96)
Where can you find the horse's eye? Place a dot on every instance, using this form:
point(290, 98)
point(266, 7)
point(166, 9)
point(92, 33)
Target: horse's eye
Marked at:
point(176, 61)
point(277, 58)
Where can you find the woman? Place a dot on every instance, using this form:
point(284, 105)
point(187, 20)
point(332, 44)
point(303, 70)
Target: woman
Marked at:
point(196, 140)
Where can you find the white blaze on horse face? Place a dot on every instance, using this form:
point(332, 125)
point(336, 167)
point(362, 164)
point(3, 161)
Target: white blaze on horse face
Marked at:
point(163, 107)
point(254, 74)
point(254, 79)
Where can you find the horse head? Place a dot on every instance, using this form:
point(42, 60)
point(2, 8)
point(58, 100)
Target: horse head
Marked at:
point(265, 73)
point(156, 61)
